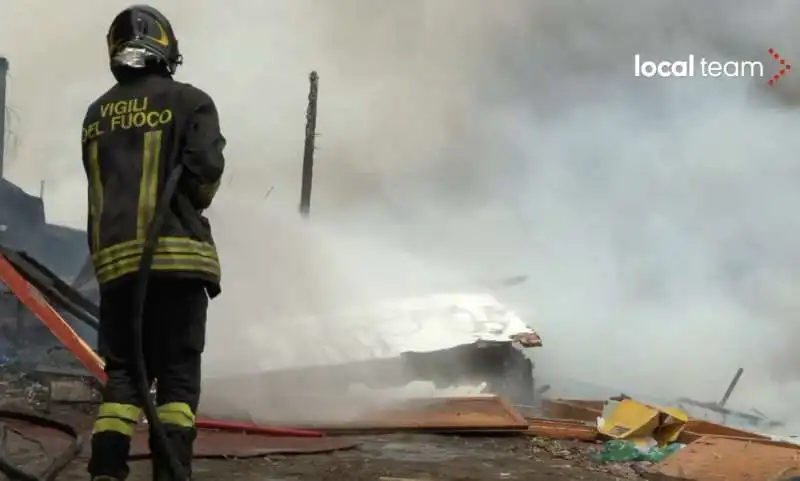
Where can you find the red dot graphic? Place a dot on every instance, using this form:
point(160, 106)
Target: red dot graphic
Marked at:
point(785, 68)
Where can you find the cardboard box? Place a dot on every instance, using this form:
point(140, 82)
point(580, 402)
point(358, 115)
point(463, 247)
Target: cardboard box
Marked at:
point(629, 419)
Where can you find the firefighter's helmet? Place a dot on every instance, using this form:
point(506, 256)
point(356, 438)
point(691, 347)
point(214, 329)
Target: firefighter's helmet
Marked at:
point(144, 29)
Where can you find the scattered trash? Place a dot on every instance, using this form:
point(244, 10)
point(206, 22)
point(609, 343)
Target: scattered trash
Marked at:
point(647, 440)
point(621, 450)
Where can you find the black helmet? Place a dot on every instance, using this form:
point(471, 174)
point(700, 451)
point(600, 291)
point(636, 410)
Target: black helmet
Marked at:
point(143, 27)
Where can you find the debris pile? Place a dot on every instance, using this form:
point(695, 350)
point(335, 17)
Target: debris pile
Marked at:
point(622, 437)
point(47, 386)
point(646, 439)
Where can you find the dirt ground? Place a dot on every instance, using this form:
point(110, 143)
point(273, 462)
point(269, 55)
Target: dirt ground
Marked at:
point(399, 457)
point(396, 457)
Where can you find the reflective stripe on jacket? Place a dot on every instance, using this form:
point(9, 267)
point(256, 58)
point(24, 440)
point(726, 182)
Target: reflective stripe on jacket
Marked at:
point(133, 137)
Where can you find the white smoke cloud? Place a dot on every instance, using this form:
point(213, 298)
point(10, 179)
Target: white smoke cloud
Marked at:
point(654, 217)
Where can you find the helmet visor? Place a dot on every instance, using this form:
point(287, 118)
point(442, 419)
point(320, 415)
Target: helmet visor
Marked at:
point(132, 57)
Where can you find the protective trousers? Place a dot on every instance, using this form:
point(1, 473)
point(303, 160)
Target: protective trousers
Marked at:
point(173, 328)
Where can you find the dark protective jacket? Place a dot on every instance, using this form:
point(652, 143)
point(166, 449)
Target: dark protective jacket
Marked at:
point(133, 137)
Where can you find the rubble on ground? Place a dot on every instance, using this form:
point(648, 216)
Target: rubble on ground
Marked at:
point(37, 388)
point(619, 438)
point(568, 436)
point(677, 445)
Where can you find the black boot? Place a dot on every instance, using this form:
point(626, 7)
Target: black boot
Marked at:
point(109, 461)
point(182, 442)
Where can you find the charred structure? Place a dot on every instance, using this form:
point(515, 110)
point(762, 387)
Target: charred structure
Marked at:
point(24, 227)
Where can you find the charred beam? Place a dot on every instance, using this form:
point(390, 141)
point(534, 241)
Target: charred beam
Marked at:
point(308, 151)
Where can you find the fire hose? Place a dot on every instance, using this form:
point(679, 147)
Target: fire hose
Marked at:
point(140, 296)
point(57, 291)
point(142, 385)
point(58, 464)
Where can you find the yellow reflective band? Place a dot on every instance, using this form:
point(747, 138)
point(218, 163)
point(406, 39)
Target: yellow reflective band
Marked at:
point(186, 249)
point(171, 245)
point(162, 39)
point(95, 193)
point(161, 262)
point(177, 407)
point(148, 184)
point(121, 411)
point(179, 414)
point(114, 425)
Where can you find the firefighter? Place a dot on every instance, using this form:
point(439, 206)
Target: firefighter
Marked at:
point(134, 135)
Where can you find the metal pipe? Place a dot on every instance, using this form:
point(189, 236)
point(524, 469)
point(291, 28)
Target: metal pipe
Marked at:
point(3, 75)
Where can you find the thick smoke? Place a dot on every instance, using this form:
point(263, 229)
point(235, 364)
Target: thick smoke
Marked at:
point(465, 140)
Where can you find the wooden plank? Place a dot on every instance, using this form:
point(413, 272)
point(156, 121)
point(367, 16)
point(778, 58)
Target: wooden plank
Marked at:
point(561, 429)
point(712, 458)
point(483, 413)
point(38, 305)
point(707, 428)
point(560, 409)
point(592, 405)
point(209, 443)
point(689, 437)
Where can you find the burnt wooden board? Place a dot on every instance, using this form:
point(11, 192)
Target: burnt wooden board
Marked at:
point(483, 413)
point(722, 459)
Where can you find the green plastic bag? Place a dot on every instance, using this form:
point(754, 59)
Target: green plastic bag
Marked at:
point(620, 450)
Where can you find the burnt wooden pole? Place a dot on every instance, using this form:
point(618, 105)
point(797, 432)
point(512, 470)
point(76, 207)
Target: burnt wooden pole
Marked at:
point(3, 75)
point(731, 386)
point(308, 150)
